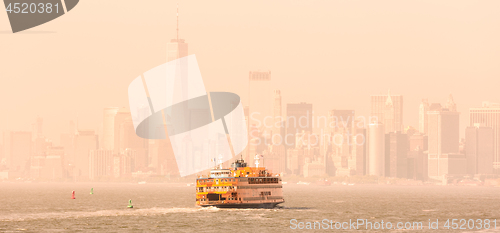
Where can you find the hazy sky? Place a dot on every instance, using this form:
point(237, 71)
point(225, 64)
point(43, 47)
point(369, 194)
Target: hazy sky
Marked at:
point(334, 54)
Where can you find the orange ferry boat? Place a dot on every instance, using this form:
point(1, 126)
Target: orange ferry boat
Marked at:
point(239, 187)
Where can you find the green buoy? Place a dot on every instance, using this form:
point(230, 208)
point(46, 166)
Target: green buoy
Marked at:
point(91, 190)
point(130, 204)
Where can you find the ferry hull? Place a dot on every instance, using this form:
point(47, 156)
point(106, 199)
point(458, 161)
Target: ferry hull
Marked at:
point(245, 205)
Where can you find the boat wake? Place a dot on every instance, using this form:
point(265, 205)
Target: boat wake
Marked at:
point(99, 213)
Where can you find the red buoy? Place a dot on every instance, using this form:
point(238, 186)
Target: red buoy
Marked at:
point(73, 195)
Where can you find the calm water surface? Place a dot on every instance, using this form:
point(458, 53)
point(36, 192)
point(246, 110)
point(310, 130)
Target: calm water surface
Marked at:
point(48, 207)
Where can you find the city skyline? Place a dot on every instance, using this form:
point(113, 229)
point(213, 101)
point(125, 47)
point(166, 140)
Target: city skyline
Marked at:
point(445, 150)
point(91, 151)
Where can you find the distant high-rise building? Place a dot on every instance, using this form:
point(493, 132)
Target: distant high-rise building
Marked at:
point(41, 144)
point(108, 133)
point(389, 111)
point(48, 166)
point(38, 128)
point(418, 141)
point(417, 159)
point(443, 132)
point(162, 158)
point(158, 153)
point(18, 149)
point(417, 165)
point(479, 148)
point(396, 155)
point(68, 144)
point(127, 162)
point(358, 153)
point(450, 104)
point(422, 116)
point(121, 116)
point(443, 144)
point(85, 141)
point(340, 119)
point(100, 163)
point(298, 119)
point(177, 48)
point(129, 139)
point(376, 149)
point(53, 167)
point(277, 119)
point(274, 159)
point(295, 161)
point(260, 94)
point(489, 116)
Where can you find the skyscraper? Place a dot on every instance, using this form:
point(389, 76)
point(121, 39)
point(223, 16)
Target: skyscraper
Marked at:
point(358, 153)
point(275, 160)
point(340, 119)
point(298, 119)
point(396, 155)
point(417, 159)
point(108, 140)
point(479, 149)
point(85, 141)
point(376, 149)
point(177, 48)
point(18, 149)
point(422, 116)
point(100, 163)
point(162, 156)
point(52, 169)
point(389, 111)
point(38, 128)
point(489, 115)
point(443, 132)
point(129, 139)
point(450, 104)
point(443, 144)
point(120, 117)
point(277, 119)
point(260, 94)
